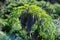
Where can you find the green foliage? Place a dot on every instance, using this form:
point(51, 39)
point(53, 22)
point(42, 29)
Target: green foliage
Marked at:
point(10, 4)
point(3, 36)
point(46, 29)
point(57, 8)
point(3, 22)
point(19, 2)
point(57, 24)
point(13, 9)
point(52, 9)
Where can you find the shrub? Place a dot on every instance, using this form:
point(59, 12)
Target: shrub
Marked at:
point(45, 25)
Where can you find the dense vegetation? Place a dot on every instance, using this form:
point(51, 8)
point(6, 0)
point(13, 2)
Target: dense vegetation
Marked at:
point(29, 20)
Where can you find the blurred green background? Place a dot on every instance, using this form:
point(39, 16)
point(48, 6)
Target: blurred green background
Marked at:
point(29, 19)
